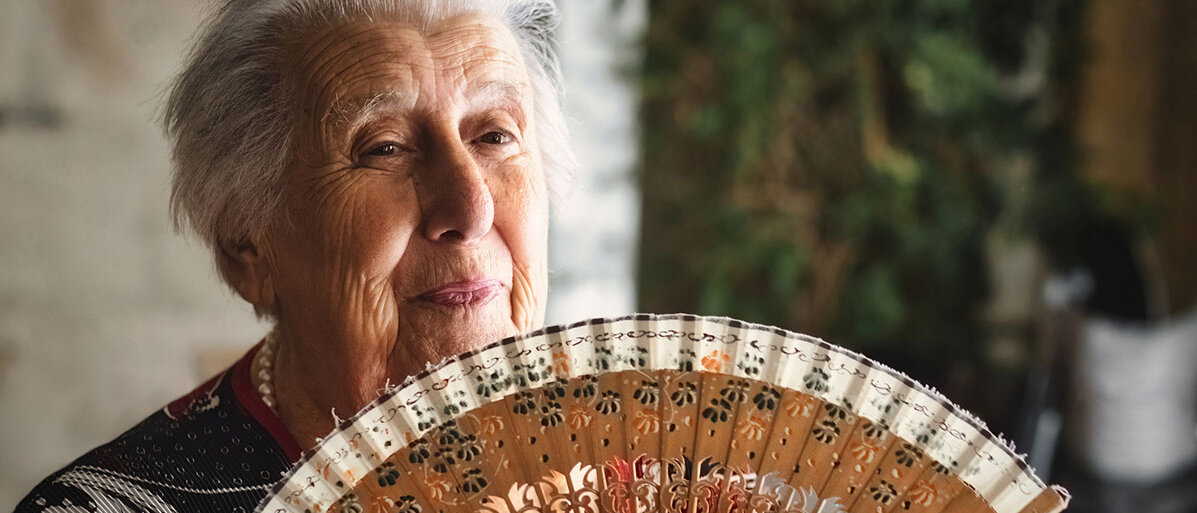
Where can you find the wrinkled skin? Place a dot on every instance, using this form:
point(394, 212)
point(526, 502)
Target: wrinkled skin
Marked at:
point(415, 167)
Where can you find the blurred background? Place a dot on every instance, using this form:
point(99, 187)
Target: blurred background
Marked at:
point(995, 196)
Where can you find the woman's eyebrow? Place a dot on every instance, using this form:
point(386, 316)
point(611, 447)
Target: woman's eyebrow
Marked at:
point(508, 96)
point(347, 115)
point(497, 91)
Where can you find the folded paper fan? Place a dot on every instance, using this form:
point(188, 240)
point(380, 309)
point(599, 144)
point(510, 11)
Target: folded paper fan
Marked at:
point(670, 413)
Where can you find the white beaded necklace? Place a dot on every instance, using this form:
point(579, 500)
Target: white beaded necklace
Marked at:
point(265, 360)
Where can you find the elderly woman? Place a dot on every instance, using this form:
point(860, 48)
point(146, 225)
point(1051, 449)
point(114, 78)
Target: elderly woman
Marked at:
point(373, 177)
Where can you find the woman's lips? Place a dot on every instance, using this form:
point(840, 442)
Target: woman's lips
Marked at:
point(463, 293)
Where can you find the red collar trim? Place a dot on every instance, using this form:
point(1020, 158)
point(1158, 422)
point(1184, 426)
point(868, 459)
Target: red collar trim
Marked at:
point(252, 402)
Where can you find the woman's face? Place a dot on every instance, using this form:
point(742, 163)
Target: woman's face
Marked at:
point(415, 207)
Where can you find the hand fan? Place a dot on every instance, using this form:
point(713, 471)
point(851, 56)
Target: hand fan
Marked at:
point(669, 413)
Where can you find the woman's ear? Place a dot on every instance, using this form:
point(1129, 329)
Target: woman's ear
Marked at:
point(247, 270)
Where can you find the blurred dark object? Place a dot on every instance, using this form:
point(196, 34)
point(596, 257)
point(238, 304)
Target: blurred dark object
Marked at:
point(30, 115)
point(1118, 209)
point(1119, 291)
point(1092, 495)
point(1120, 162)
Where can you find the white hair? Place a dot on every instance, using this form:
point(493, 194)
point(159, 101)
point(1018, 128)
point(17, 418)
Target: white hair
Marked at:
point(229, 119)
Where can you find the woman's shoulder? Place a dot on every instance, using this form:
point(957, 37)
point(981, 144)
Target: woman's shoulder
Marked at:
point(207, 448)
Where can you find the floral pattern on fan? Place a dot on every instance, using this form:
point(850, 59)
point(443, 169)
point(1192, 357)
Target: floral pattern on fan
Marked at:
point(518, 418)
point(637, 487)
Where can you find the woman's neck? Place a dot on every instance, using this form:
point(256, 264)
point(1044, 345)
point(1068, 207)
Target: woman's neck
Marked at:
point(313, 392)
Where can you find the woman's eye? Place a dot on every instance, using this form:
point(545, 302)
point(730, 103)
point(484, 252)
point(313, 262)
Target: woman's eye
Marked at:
point(384, 150)
point(494, 138)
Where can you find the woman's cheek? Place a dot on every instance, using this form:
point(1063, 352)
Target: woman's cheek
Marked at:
point(365, 231)
point(528, 288)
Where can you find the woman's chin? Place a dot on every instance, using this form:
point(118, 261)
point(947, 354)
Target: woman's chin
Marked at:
point(439, 331)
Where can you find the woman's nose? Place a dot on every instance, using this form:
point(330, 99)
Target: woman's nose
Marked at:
point(454, 198)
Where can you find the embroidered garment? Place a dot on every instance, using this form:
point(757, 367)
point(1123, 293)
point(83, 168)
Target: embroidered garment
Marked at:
point(218, 448)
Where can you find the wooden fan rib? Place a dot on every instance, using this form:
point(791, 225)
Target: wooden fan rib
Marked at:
point(437, 471)
point(641, 395)
point(859, 461)
point(788, 435)
point(1052, 500)
point(451, 476)
point(681, 393)
point(847, 390)
point(933, 425)
point(529, 449)
point(500, 370)
point(827, 439)
point(791, 374)
point(753, 425)
point(334, 465)
point(716, 368)
point(403, 495)
point(721, 393)
point(754, 402)
point(620, 357)
point(608, 428)
point(978, 467)
point(775, 389)
point(931, 492)
point(413, 480)
point(716, 412)
point(890, 481)
point(968, 502)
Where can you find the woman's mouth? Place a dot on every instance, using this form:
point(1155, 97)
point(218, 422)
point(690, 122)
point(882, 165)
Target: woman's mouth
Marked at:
point(464, 293)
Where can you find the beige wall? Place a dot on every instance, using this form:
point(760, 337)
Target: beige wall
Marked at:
point(105, 314)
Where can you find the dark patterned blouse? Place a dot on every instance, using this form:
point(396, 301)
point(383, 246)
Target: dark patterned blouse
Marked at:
point(219, 448)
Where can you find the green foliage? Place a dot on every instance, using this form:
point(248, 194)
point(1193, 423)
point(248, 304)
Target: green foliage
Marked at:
point(827, 166)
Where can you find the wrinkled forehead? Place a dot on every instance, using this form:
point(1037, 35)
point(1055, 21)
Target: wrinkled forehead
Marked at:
point(339, 70)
